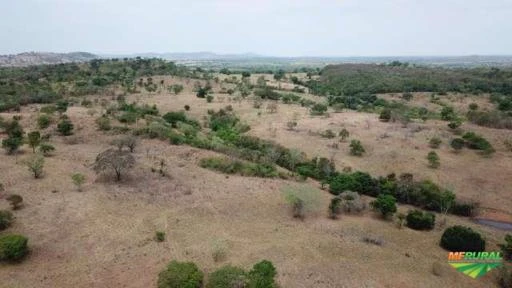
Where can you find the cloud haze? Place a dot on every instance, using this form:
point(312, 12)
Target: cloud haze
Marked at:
point(268, 27)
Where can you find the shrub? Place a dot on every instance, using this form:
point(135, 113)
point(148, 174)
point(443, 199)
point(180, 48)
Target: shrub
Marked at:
point(448, 114)
point(457, 144)
point(385, 204)
point(473, 106)
point(209, 98)
point(65, 127)
point(78, 180)
point(35, 164)
point(344, 134)
point(13, 247)
point(227, 277)
point(418, 220)
point(103, 123)
point(474, 141)
point(15, 201)
point(43, 121)
point(160, 236)
point(356, 148)
point(351, 202)
point(6, 219)
point(334, 207)
point(11, 144)
point(407, 96)
point(435, 142)
point(230, 166)
point(460, 238)
point(505, 277)
point(262, 275)
point(186, 107)
point(174, 117)
point(46, 149)
point(433, 159)
point(466, 209)
point(301, 200)
point(385, 115)
point(318, 109)
point(506, 248)
point(180, 275)
point(328, 134)
point(454, 124)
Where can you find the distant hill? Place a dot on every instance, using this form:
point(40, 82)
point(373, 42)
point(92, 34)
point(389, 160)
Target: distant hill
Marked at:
point(183, 56)
point(38, 58)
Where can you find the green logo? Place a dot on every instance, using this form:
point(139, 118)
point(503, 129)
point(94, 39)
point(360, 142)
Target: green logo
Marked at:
point(475, 264)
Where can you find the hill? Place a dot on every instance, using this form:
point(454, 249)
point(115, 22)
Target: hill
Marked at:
point(38, 58)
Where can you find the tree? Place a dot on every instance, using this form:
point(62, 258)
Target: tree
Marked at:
point(344, 134)
point(433, 159)
point(65, 127)
point(448, 114)
point(13, 247)
point(209, 98)
point(35, 164)
point(14, 136)
point(385, 204)
point(279, 75)
point(460, 238)
point(130, 142)
point(356, 148)
point(78, 180)
point(473, 106)
point(457, 144)
point(103, 123)
point(454, 124)
point(62, 106)
point(34, 139)
point(291, 125)
point(15, 201)
point(401, 218)
point(407, 96)
point(111, 159)
point(260, 82)
point(246, 74)
point(262, 275)
point(318, 109)
point(334, 207)
point(180, 275)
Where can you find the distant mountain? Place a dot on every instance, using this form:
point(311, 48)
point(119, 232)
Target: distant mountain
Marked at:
point(185, 56)
point(38, 58)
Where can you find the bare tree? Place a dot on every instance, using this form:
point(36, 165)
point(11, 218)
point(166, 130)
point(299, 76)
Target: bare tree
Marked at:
point(112, 159)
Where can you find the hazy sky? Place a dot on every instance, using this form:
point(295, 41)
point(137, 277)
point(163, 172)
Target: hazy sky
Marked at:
point(268, 27)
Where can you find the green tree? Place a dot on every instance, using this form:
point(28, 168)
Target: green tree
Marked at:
point(227, 277)
point(435, 142)
point(433, 159)
point(46, 149)
point(15, 134)
point(385, 115)
point(35, 164)
point(34, 139)
point(6, 219)
point(385, 204)
point(43, 121)
point(180, 275)
point(262, 275)
point(461, 238)
point(114, 160)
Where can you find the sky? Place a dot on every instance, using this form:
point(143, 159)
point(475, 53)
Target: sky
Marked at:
point(265, 27)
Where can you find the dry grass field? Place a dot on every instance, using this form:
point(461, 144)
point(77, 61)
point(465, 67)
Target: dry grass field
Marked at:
point(103, 236)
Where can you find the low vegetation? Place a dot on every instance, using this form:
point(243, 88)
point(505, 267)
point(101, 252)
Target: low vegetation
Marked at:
point(460, 238)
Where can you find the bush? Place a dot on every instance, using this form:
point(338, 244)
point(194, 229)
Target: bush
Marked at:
point(230, 166)
point(78, 180)
point(159, 236)
point(385, 204)
point(328, 134)
point(385, 115)
point(65, 127)
point(227, 277)
point(46, 149)
point(15, 201)
point(186, 107)
point(474, 141)
point(318, 109)
point(262, 275)
point(103, 123)
point(34, 139)
point(334, 207)
point(351, 202)
point(344, 134)
point(460, 238)
point(435, 142)
point(473, 106)
point(302, 200)
point(505, 277)
point(6, 219)
point(457, 144)
point(43, 121)
point(13, 247)
point(356, 148)
point(174, 117)
point(209, 98)
point(433, 159)
point(506, 248)
point(418, 220)
point(180, 275)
